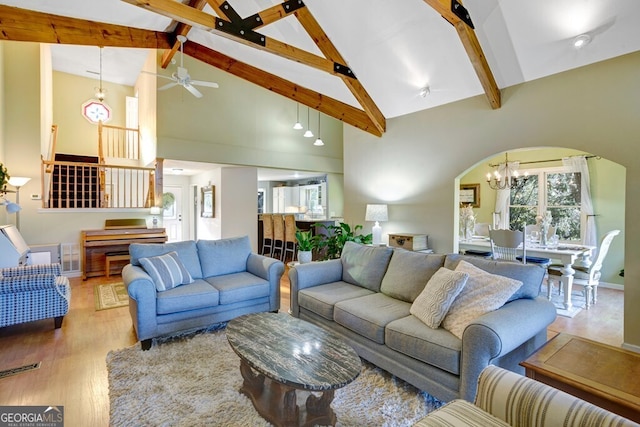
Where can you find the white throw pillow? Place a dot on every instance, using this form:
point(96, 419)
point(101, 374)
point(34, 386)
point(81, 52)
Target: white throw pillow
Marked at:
point(433, 303)
point(483, 293)
point(167, 271)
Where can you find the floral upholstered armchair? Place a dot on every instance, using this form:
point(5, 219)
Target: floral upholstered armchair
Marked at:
point(33, 292)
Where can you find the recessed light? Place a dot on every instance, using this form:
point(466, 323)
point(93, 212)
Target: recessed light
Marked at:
point(581, 41)
point(176, 171)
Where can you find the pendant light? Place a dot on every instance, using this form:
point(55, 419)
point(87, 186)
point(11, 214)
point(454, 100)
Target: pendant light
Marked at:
point(318, 142)
point(100, 92)
point(298, 125)
point(308, 133)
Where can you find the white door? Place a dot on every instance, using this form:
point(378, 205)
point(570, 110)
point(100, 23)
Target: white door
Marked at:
point(172, 214)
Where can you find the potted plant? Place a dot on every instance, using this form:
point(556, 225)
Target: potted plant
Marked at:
point(306, 243)
point(4, 177)
point(333, 241)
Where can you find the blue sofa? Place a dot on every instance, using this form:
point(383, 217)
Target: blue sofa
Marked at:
point(33, 292)
point(228, 281)
point(366, 298)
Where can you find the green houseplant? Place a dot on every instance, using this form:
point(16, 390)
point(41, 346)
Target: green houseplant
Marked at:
point(306, 243)
point(332, 242)
point(4, 177)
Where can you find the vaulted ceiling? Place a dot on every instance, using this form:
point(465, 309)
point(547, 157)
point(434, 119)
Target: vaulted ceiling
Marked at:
point(360, 61)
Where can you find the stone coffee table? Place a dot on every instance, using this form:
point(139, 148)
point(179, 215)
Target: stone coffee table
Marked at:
point(280, 354)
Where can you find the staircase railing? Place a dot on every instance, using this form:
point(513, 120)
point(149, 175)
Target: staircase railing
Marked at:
point(118, 142)
point(76, 185)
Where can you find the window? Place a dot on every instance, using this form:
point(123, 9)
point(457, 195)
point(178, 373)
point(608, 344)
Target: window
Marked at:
point(556, 190)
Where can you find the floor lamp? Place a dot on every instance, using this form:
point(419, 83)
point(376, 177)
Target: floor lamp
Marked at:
point(18, 181)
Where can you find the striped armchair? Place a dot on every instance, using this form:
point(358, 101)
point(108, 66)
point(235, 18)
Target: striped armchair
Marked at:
point(33, 292)
point(506, 399)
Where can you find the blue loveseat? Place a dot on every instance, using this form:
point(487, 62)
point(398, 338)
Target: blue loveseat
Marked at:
point(367, 295)
point(229, 280)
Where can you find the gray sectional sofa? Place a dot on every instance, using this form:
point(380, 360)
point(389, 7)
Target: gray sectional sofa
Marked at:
point(366, 297)
point(224, 279)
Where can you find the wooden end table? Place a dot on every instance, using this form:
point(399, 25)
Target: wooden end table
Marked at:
point(280, 354)
point(604, 375)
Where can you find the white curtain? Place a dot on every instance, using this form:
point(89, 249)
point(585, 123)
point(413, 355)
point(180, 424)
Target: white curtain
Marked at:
point(579, 164)
point(503, 197)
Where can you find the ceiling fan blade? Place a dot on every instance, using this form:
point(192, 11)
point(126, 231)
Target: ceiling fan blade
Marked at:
point(195, 92)
point(168, 86)
point(201, 83)
point(157, 75)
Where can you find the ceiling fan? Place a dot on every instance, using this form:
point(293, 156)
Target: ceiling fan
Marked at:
point(182, 77)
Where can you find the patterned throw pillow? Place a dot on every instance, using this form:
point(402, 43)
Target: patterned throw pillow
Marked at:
point(483, 293)
point(167, 271)
point(435, 299)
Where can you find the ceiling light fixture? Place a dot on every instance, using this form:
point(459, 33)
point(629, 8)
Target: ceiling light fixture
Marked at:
point(298, 125)
point(318, 142)
point(506, 176)
point(581, 41)
point(425, 91)
point(100, 92)
point(308, 133)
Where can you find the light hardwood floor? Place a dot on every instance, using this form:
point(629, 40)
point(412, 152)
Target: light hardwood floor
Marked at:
point(73, 370)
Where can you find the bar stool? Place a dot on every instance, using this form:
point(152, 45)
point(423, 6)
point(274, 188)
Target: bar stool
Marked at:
point(290, 241)
point(267, 233)
point(278, 235)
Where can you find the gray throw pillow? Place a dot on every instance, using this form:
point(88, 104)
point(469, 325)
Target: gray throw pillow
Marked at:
point(364, 265)
point(167, 271)
point(433, 303)
point(408, 272)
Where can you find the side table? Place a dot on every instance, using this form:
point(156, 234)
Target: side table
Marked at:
point(604, 375)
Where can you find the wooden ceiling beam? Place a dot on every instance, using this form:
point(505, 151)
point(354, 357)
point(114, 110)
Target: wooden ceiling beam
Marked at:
point(181, 30)
point(461, 21)
point(199, 19)
point(329, 106)
point(26, 25)
point(328, 49)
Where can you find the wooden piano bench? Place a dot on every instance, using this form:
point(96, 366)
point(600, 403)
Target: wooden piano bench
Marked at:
point(110, 257)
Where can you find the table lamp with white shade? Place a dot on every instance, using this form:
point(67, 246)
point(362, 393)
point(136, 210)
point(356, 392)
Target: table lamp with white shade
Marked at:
point(376, 213)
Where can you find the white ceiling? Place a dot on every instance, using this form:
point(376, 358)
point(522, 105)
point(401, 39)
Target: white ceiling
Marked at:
point(395, 48)
point(189, 168)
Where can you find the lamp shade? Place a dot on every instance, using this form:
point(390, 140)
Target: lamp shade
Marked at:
point(18, 181)
point(155, 210)
point(376, 213)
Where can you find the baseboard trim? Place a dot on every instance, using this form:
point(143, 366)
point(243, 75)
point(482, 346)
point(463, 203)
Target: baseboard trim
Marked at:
point(631, 347)
point(611, 286)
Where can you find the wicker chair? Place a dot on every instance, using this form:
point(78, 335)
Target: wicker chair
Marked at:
point(33, 292)
point(267, 234)
point(278, 236)
point(290, 241)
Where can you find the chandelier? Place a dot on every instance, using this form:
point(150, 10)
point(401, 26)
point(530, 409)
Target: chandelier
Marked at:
point(505, 176)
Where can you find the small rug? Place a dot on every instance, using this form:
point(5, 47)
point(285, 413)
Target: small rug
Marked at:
point(194, 381)
point(112, 295)
point(577, 298)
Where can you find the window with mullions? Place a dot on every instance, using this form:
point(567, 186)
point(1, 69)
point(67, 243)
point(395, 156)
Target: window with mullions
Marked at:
point(556, 190)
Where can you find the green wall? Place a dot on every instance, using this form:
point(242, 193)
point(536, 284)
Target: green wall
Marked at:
point(607, 192)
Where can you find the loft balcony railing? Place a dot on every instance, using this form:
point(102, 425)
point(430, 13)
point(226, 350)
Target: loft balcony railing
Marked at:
point(97, 184)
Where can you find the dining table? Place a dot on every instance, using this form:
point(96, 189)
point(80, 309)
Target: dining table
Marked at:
point(564, 253)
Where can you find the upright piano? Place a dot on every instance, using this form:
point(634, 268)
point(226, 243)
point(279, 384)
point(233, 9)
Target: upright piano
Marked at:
point(116, 237)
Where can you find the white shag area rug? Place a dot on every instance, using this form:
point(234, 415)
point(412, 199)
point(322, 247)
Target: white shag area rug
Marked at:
point(195, 381)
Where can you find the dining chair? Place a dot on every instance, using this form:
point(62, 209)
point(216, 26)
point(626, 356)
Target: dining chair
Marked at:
point(290, 243)
point(278, 236)
point(267, 234)
point(587, 277)
point(510, 245)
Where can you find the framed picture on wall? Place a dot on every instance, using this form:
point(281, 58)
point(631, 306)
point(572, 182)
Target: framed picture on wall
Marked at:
point(470, 195)
point(207, 199)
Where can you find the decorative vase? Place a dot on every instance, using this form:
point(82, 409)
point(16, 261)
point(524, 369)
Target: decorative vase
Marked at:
point(304, 256)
